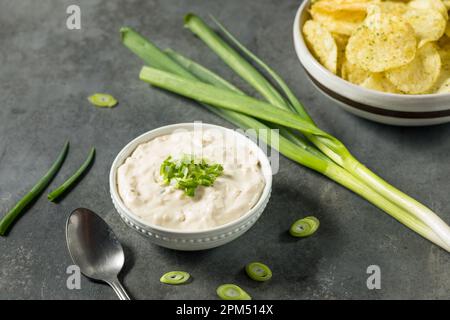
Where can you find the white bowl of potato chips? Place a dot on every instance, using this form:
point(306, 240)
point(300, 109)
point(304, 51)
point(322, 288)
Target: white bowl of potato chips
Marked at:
point(387, 61)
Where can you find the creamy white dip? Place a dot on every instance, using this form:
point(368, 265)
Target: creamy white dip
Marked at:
point(233, 194)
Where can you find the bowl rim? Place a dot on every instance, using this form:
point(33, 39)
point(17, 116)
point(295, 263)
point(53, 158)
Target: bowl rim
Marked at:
point(129, 148)
point(300, 41)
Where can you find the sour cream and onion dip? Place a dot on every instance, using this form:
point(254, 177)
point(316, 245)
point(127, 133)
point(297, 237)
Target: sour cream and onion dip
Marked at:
point(142, 189)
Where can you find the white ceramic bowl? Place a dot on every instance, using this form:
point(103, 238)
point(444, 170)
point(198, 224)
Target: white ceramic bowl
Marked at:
point(189, 240)
point(395, 109)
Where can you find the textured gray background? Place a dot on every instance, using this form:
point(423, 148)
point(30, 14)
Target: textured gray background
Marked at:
point(46, 73)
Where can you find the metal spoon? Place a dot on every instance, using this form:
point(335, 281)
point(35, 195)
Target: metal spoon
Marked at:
point(94, 247)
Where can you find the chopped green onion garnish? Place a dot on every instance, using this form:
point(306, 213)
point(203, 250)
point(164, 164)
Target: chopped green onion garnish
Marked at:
point(232, 292)
point(187, 174)
point(304, 227)
point(14, 213)
point(258, 271)
point(52, 196)
point(102, 100)
point(175, 277)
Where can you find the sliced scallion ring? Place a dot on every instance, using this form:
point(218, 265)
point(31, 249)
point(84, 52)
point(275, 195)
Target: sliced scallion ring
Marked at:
point(175, 277)
point(102, 100)
point(232, 292)
point(304, 227)
point(258, 271)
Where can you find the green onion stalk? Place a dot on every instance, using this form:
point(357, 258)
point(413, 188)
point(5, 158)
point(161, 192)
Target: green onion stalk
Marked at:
point(7, 221)
point(69, 183)
point(299, 138)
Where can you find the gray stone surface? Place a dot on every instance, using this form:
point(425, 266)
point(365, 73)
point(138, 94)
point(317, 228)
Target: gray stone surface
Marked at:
point(48, 71)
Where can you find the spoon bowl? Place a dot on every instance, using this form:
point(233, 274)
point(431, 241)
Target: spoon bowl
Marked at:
point(94, 247)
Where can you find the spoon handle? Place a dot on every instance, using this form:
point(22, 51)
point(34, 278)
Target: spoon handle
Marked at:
point(119, 289)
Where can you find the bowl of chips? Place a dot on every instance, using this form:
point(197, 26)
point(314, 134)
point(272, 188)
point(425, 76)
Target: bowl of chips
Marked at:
point(386, 61)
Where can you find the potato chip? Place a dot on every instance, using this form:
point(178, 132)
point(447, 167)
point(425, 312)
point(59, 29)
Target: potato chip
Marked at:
point(341, 7)
point(379, 82)
point(382, 42)
point(445, 87)
point(446, 4)
point(395, 8)
point(420, 74)
point(437, 5)
point(337, 21)
point(341, 42)
point(396, 46)
point(348, 1)
point(352, 73)
point(428, 24)
point(321, 43)
point(444, 74)
point(335, 25)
